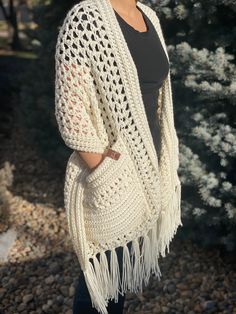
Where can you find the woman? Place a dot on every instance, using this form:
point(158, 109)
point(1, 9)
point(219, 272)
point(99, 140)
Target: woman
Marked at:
point(114, 109)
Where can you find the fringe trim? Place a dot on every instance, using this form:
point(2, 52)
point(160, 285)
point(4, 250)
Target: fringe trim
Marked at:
point(139, 262)
point(169, 221)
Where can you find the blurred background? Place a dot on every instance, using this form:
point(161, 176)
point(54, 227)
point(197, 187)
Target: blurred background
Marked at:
point(38, 268)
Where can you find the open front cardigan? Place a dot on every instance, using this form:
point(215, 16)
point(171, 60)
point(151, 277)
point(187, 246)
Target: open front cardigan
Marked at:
point(98, 105)
point(152, 65)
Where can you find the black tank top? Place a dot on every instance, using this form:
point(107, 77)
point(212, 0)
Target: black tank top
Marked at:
point(152, 66)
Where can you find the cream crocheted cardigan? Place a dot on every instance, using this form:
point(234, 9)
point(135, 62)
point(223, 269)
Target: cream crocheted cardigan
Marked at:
point(98, 105)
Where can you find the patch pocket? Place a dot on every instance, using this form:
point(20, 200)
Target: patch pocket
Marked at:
point(112, 181)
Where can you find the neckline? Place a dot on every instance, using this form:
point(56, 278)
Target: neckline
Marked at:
point(131, 27)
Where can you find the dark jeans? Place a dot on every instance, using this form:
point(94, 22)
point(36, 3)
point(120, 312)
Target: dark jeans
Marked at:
point(82, 302)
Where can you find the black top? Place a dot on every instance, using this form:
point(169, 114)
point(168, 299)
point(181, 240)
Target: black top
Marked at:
point(152, 66)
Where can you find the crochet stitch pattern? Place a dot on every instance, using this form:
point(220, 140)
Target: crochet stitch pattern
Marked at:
point(98, 105)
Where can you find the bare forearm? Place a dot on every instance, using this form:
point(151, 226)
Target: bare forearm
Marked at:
point(91, 159)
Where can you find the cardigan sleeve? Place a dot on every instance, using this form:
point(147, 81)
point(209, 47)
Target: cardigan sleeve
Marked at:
point(73, 106)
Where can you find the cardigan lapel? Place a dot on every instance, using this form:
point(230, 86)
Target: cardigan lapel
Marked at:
point(129, 70)
point(129, 75)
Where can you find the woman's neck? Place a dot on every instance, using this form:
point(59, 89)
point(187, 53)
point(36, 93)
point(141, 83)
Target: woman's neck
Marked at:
point(127, 7)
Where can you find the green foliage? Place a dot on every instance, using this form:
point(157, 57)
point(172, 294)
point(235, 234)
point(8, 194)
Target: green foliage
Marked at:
point(200, 36)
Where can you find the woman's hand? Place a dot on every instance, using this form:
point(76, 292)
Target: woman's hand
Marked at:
point(92, 159)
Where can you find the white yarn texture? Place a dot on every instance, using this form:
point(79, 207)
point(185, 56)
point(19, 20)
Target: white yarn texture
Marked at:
point(98, 105)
